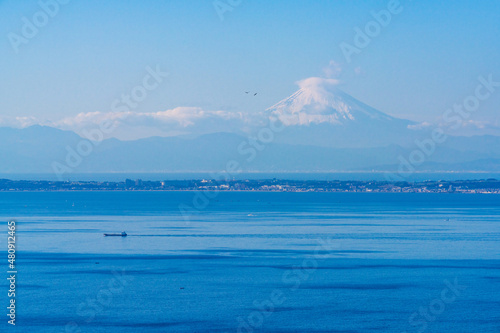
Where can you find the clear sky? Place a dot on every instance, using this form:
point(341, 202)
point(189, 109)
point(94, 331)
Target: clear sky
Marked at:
point(427, 58)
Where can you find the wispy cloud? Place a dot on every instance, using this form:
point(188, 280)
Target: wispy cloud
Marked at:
point(180, 120)
point(473, 127)
point(315, 83)
point(333, 70)
point(20, 122)
point(133, 125)
point(180, 117)
point(467, 127)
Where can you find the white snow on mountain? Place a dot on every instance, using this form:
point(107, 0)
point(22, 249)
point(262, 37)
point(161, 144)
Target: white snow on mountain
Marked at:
point(320, 101)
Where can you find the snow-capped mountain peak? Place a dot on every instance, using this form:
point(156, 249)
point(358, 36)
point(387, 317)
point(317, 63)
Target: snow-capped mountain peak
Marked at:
point(320, 101)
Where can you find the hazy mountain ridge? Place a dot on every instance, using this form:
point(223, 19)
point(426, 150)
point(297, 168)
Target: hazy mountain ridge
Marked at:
point(211, 152)
point(325, 129)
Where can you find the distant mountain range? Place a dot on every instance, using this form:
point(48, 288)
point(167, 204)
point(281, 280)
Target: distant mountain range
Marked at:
point(324, 130)
point(35, 149)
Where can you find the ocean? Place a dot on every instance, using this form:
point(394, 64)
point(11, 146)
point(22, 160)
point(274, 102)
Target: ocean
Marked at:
point(253, 262)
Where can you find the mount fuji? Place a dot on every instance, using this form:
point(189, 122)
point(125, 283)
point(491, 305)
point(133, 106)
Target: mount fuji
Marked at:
point(321, 114)
point(324, 130)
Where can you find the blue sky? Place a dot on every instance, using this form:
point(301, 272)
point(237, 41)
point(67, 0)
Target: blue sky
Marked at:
point(427, 58)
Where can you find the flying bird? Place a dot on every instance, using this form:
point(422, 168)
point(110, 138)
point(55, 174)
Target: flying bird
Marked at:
point(246, 92)
point(255, 94)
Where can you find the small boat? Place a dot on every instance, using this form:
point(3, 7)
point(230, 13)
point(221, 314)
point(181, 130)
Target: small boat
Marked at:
point(123, 234)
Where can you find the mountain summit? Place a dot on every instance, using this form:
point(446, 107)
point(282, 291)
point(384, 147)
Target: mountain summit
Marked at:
point(320, 101)
point(319, 113)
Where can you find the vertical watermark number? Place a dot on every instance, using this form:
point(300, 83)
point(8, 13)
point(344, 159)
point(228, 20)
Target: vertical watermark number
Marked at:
point(12, 271)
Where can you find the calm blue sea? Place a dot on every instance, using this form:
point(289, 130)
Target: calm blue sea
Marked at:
point(254, 262)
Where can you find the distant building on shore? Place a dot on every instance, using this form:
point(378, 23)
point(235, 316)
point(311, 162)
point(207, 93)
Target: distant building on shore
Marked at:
point(129, 183)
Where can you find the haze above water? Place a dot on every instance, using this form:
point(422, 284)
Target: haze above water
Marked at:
point(381, 176)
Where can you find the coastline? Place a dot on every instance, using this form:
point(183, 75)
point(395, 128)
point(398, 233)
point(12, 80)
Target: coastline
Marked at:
point(484, 186)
